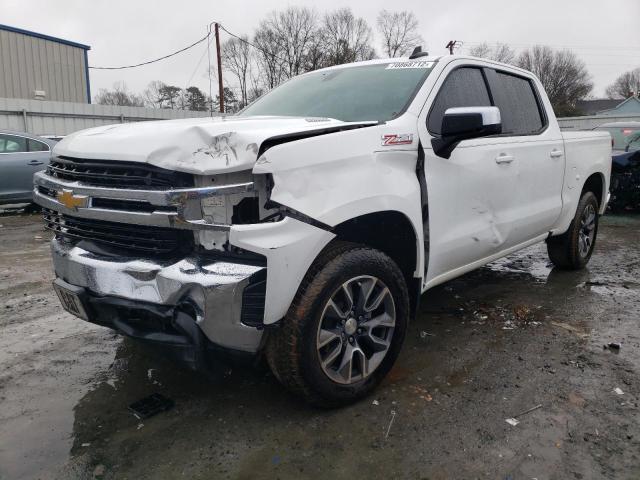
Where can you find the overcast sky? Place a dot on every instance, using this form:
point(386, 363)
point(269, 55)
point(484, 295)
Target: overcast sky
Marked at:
point(604, 33)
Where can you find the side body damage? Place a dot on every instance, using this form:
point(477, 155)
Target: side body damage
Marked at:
point(358, 195)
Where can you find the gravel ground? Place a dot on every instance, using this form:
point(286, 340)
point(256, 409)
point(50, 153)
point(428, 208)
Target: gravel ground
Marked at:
point(485, 347)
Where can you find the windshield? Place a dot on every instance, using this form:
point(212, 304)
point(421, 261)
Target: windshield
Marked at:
point(623, 137)
point(377, 92)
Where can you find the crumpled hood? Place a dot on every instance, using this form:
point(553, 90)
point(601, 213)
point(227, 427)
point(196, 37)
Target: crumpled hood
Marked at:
point(194, 145)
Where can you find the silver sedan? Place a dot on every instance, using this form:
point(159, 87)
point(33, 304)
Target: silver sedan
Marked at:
point(21, 155)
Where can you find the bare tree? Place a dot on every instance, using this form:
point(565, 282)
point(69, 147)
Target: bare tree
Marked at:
point(153, 97)
point(626, 85)
point(297, 30)
point(120, 95)
point(399, 32)
point(256, 90)
point(161, 95)
point(269, 63)
point(500, 52)
point(563, 75)
point(346, 38)
point(284, 40)
point(236, 57)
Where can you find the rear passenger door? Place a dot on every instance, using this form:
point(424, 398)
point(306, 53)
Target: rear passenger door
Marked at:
point(537, 150)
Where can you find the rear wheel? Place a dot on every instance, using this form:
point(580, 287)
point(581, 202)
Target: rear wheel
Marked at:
point(572, 250)
point(344, 329)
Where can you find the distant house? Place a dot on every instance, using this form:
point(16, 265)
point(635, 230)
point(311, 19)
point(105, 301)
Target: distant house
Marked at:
point(607, 107)
point(630, 106)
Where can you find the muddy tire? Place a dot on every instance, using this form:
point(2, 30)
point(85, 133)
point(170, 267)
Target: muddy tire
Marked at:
point(344, 328)
point(572, 250)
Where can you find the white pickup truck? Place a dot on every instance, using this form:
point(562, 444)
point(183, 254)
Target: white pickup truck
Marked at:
point(306, 227)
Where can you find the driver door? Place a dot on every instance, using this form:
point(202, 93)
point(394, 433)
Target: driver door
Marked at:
point(470, 195)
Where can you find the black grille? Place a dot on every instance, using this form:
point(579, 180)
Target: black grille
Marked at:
point(122, 236)
point(109, 173)
point(253, 298)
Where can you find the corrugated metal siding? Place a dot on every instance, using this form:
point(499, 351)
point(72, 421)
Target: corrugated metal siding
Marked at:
point(29, 63)
point(62, 118)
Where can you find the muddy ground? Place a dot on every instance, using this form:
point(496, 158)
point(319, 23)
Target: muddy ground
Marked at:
point(484, 348)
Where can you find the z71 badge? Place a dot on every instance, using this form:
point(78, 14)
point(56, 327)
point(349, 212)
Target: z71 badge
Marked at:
point(397, 139)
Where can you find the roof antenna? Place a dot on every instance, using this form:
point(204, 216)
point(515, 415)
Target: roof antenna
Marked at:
point(417, 53)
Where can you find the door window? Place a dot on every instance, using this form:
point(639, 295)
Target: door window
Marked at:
point(12, 144)
point(519, 108)
point(36, 146)
point(464, 87)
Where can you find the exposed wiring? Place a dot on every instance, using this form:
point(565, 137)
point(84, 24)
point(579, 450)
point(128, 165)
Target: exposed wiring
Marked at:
point(157, 59)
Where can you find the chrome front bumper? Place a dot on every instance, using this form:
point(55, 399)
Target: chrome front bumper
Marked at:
point(213, 287)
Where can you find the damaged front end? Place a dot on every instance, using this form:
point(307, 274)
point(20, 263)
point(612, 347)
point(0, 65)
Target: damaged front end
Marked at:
point(186, 261)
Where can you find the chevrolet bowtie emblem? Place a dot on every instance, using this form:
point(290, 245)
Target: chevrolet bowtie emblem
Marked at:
point(72, 201)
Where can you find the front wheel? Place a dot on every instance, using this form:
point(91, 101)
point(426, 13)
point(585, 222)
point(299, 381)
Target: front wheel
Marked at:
point(572, 250)
point(345, 327)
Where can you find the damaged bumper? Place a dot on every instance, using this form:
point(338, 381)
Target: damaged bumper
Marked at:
point(228, 301)
point(210, 291)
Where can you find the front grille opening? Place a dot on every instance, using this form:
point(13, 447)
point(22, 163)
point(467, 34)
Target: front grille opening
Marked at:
point(125, 205)
point(116, 203)
point(116, 174)
point(253, 299)
point(246, 211)
point(118, 238)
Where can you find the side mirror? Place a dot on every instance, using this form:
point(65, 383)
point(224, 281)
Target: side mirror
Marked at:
point(464, 123)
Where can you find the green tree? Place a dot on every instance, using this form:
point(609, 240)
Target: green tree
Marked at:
point(195, 99)
point(230, 101)
point(169, 95)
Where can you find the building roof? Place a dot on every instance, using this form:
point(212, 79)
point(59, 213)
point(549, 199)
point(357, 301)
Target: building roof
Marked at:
point(592, 107)
point(44, 37)
point(630, 101)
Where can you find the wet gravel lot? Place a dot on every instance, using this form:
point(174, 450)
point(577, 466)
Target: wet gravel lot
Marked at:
point(485, 347)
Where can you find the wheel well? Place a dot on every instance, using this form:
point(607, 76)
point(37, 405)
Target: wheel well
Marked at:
point(595, 184)
point(390, 232)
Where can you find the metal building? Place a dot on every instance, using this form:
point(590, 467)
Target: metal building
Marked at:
point(37, 66)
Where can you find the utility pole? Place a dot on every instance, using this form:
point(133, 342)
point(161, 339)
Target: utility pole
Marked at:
point(451, 45)
point(220, 87)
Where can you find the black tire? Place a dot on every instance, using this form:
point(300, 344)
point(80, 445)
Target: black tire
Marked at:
point(292, 350)
point(566, 251)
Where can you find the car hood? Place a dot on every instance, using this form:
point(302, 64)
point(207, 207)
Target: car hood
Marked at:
point(202, 145)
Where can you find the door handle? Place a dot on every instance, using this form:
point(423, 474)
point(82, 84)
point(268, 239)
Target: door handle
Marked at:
point(556, 153)
point(504, 158)
point(35, 162)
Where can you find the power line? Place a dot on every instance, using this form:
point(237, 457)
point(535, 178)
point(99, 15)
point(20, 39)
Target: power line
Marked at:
point(195, 70)
point(157, 59)
point(252, 44)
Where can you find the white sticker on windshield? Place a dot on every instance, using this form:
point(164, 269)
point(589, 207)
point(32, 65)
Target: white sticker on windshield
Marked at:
point(393, 66)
